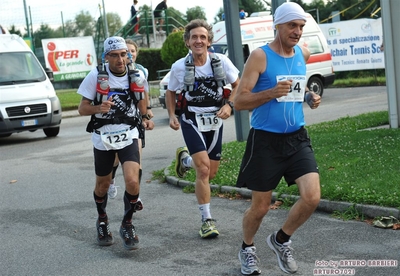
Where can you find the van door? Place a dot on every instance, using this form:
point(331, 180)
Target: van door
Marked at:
point(319, 65)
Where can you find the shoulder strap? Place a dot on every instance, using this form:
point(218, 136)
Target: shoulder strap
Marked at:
point(189, 59)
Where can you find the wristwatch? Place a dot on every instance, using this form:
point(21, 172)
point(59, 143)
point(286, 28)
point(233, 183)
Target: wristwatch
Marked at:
point(230, 104)
point(146, 116)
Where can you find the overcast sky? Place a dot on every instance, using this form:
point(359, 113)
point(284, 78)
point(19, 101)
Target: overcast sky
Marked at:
point(44, 11)
point(56, 11)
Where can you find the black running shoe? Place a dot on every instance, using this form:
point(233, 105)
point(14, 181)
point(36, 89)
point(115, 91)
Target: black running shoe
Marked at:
point(128, 234)
point(104, 236)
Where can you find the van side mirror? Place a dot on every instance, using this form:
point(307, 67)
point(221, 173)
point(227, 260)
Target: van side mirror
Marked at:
point(49, 74)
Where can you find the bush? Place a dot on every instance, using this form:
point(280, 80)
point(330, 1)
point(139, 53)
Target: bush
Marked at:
point(151, 59)
point(173, 48)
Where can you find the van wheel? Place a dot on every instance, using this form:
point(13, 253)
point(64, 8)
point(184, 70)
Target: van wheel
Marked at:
point(51, 132)
point(315, 85)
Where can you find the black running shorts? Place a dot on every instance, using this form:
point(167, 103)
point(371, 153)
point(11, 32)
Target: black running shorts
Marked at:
point(104, 159)
point(270, 156)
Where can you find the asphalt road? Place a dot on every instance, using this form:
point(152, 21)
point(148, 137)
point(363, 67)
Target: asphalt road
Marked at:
point(48, 214)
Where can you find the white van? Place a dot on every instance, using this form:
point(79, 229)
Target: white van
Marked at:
point(256, 31)
point(28, 101)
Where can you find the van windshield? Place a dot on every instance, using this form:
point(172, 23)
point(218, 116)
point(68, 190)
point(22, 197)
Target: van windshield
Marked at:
point(20, 67)
point(220, 48)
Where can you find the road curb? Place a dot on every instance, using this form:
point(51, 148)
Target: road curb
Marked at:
point(324, 205)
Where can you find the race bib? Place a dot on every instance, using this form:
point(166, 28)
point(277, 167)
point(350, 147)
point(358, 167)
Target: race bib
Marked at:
point(297, 89)
point(114, 140)
point(208, 121)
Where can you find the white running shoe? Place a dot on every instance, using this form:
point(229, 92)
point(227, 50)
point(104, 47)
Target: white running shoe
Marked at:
point(283, 253)
point(112, 191)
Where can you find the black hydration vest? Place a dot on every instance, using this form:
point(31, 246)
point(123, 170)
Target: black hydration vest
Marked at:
point(120, 113)
point(203, 92)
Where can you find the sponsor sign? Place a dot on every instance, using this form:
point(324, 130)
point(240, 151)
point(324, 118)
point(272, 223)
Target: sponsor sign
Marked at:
point(355, 44)
point(70, 58)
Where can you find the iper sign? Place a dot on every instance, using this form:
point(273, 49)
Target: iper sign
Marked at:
point(69, 58)
point(355, 48)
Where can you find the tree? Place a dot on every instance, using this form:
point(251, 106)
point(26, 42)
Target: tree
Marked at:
point(114, 23)
point(173, 48)
point(218, 16)
point(248, 6)
point(14, 30)
point(195, 13)
point(253, 6)
point(43, 32)
point(348, 9)
point(175, 19)
point(70, 29)
point(85, 24)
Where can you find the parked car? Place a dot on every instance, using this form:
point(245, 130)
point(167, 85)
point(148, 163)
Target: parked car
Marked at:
point(163, 89)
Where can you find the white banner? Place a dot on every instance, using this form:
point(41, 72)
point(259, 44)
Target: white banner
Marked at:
point(355, 44)
point(69, 58)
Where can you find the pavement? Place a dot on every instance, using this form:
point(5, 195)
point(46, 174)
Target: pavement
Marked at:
point(48, 215)
point(328, 206)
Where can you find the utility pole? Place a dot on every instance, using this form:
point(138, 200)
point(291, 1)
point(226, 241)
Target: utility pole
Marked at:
point(62, 22)
point(234, 41)
point(105, 21)
point(391, 41)
point(27, 21)
point(317, 13)
point(275, 4)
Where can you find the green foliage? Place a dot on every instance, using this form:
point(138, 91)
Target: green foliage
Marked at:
point(151, 59)
point(84, 23)
point(158, 175)
point(351, 213)
point(14, 30)
point(356, 164)
point(44, 31)
point(189, 189)
point(252, 6)
point(173, 48)
point(175, 19)
point(195, 13)
point(69, 99)
point(360, 74)
point(218, 16)
point(114, 22)
point(369, 81)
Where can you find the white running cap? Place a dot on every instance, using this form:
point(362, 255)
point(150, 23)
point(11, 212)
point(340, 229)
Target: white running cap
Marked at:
point(114, 43)
point(287, 12)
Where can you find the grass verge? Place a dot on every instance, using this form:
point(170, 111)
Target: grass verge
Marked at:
point(70, 99)
point(357, 164)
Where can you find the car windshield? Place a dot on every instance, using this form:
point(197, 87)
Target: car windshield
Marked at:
point(20, 67)
point(220, 48)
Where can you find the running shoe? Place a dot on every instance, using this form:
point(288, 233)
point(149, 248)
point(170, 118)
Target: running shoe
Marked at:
point(284, 254)
point(180, 169)
point(249, 261)
point(208, 229)
point(104, 236)
point(128, 234)
point(112, 191)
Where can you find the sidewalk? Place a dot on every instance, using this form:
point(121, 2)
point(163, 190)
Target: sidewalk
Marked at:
point(327, 206)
